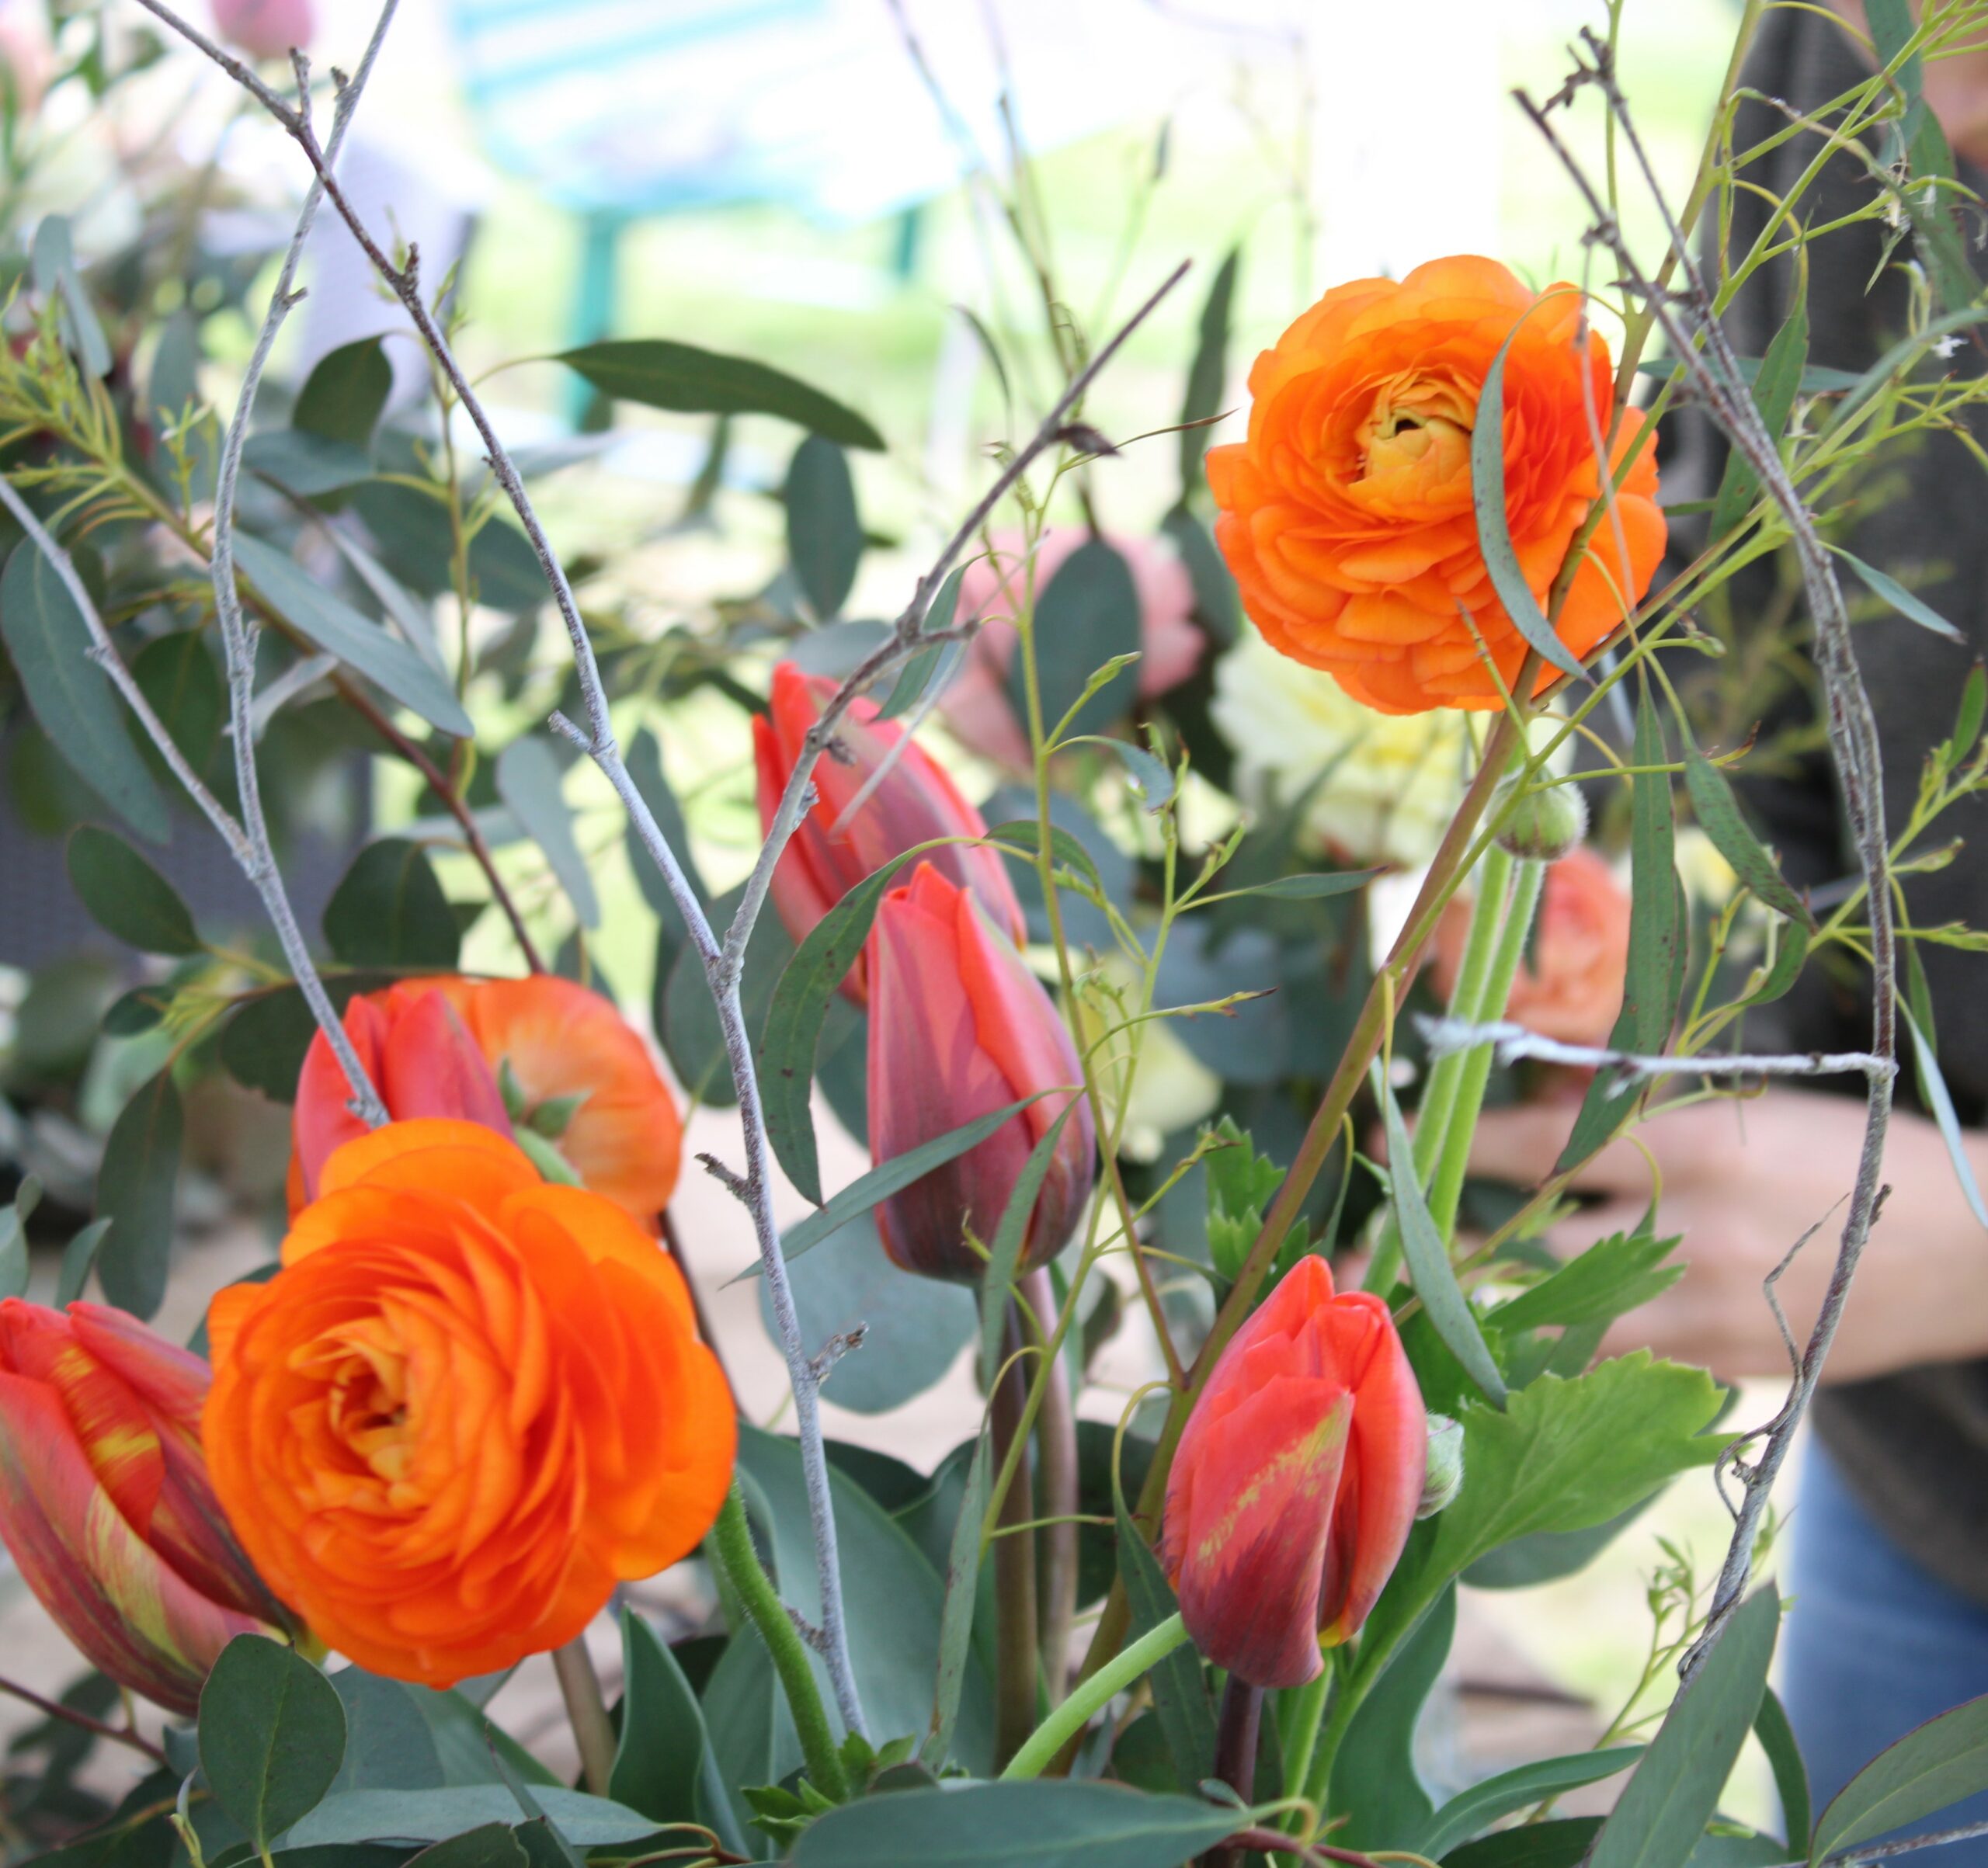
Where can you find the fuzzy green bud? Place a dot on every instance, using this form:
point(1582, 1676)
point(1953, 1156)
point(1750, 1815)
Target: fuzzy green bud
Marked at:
point(1544, 825)
point(1445, 1478)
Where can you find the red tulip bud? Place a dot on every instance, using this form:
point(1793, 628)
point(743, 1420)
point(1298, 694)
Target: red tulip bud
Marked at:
point(916, 803)
point(1296, 1481)
point(959, 1028)
point(105, 1502)
point(422, 1062)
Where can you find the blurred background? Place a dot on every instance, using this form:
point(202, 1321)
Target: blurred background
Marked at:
point(817, 183)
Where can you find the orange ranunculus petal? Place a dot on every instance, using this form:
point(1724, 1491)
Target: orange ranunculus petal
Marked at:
point(1345, 515)
point(469, 1405)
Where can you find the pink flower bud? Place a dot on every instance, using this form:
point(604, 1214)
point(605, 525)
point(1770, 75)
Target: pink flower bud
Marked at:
point(960, 1028)
point(266, 29)
point(916, 802)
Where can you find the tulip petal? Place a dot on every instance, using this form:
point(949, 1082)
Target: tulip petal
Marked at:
point(1251, 1553)
point(121, 1605)
point(430, 1065)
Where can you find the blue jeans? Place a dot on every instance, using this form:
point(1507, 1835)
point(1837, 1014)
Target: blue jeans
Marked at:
point(1872, 1647)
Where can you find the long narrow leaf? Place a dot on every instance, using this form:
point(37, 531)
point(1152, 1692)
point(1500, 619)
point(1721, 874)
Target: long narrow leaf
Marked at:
point(1006, 1250)
point(1774, 388)
point(1719, 816)
point(1494, 530)
point(956, 1618)
point(1428, 1258)
point(1933, 1091)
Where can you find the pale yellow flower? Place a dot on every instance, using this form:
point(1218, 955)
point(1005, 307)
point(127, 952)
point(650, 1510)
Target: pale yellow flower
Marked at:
point(1392, 782)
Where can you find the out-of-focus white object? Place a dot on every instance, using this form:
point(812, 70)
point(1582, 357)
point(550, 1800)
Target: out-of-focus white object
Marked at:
point(643, 107)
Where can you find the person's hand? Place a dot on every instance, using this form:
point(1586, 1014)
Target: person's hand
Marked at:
point(1742, 1181)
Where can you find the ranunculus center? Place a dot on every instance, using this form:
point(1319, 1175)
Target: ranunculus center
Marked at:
point(364, 1368)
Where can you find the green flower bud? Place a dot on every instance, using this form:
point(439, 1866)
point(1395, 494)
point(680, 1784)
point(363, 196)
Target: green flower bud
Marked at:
point(1445, 1478)
point(1545, 824)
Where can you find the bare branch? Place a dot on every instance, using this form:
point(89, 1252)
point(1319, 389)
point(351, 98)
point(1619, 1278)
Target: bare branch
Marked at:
point(1690, 322)
point(1513, 1042)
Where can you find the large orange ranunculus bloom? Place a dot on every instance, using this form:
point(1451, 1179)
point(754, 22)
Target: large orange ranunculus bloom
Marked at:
point(433, 1047)
point(469, 1405)
point(1346, 516)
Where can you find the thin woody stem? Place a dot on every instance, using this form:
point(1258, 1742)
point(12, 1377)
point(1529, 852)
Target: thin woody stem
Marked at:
point(68, 1715)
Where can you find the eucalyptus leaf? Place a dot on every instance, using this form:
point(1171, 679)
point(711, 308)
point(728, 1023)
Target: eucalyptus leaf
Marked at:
point(1086, 616)
point(1046, 1823)
point(1466, 1814)
point(71, 698)
point(78, 1261)
point(1374, 1779)
point(1937, 1763)
point(388, 909)
point(273, 1735)
point(1889, 590)
point(660, 373)
point(127, 897)
point(135, 1187)
point(1661, 1817)
point(956, 1618)
point(660, 1752)
point(334, 626)
point(1180, 1692)
point(431, 1816)
point(346, 394)
point(824, 531)
point(529, 781)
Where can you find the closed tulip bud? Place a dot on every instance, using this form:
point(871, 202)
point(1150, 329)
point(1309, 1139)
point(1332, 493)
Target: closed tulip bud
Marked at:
point(105, 1501)
point(1546, 822)
point(423, 1060)
point(915, 803)
point(961, 1028)
point(1296, 1481)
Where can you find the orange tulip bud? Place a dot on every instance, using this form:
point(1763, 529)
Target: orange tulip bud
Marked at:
point(434, 1046)
point(960, 1028)
point(916, 803)
point(105, 1500)
point(1296, 1481)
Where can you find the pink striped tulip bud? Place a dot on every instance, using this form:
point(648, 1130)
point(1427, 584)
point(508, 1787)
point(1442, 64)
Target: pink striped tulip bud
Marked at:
point(1296, 1481)
point(421, 1059)
point(105, 1502)
point(916, 802)
point(961, 1028)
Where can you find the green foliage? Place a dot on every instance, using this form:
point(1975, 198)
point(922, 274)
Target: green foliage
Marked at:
point(1376, 1784)
point(662, 374)
point(134, 1192)
point(273, 1735)
point(529, 781)
point(1086, 616)
point(388, 909)
point(824, 531)
point(1179, 1693)
point(1241, 1183)
point(1941, 1762)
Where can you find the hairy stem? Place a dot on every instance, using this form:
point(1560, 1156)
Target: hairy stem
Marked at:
point(732, 1541)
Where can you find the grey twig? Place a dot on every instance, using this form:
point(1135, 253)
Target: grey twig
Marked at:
point(723, 960)
point(732, 1182)
point(1853, 735)
point(836, 1347)
point(805, 1628)
point(1513, 1042)
point(238, 633)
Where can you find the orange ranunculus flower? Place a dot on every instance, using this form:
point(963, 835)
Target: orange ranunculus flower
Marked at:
point(434, 1046)
point(1346, 516)
point(470, 1404)
point(1570, 986)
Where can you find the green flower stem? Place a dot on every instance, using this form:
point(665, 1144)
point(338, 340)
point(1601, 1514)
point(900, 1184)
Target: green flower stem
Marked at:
point(1432, 1124)
point(1070, 1718)
point(1527, 879)
point(732, 1541)
point(1305, 1709)
point(1017, 1654)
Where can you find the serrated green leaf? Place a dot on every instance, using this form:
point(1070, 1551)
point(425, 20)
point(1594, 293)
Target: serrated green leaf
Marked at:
point(127, 897)
point(1612, 1277)
point(662, 374)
